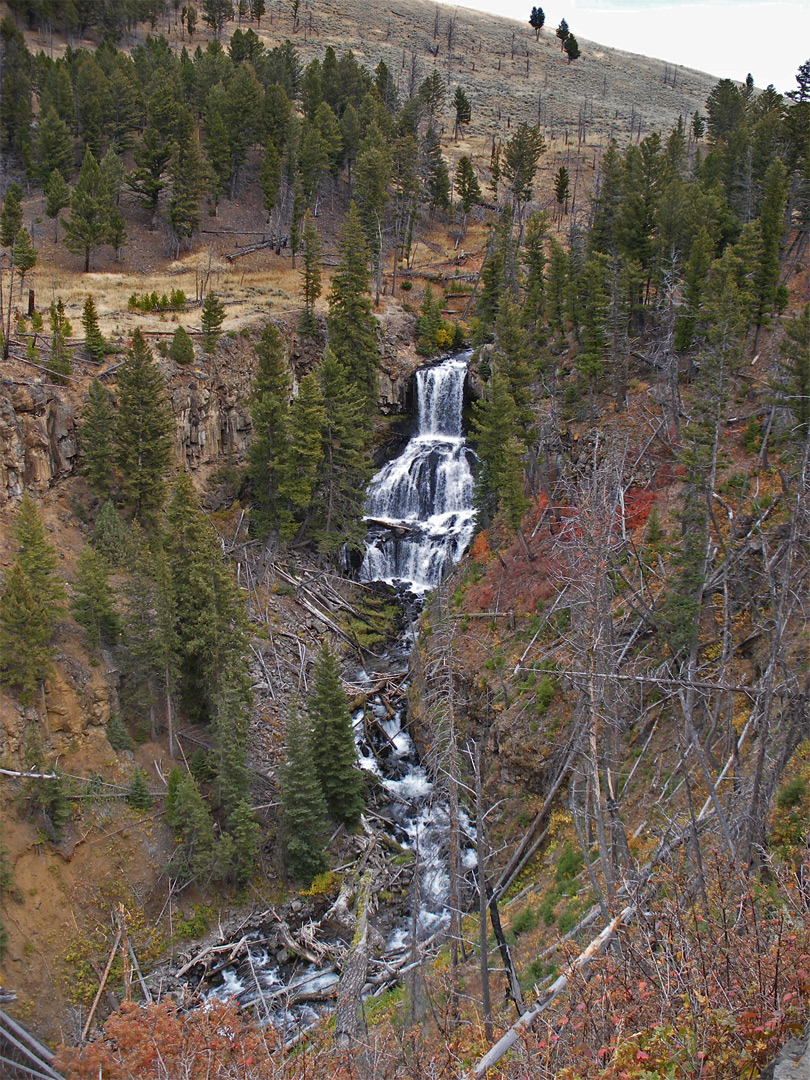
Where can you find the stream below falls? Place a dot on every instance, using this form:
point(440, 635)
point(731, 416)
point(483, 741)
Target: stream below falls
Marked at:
point(421, 521)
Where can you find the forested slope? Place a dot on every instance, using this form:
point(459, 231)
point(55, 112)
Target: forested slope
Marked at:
point(621, 657)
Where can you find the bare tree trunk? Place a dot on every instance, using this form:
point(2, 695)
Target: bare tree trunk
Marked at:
point(481, 846)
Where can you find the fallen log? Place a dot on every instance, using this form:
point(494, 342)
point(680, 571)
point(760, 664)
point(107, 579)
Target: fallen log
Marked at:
point(212, 950)
point(249, 250)
point(526, 1021)
point(395, 525)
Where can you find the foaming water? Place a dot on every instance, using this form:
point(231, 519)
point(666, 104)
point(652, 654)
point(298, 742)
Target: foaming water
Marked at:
point(420, 504)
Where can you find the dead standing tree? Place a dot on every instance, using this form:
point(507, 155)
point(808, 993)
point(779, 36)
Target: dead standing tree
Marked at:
point(590, 543)
point(444, 766)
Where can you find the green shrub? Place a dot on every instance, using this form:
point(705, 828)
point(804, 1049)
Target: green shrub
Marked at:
point(568, 919)
point(175, 301)
point(569, 863)
point(791, 793)
point(524, 920)
point(547, 912)
point(752, 436)
point(546, 690)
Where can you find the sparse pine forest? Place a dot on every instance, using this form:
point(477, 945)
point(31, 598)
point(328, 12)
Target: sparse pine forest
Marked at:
point(258, 233)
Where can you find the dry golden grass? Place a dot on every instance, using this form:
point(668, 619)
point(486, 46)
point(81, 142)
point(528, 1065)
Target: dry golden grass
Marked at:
point(509, 78)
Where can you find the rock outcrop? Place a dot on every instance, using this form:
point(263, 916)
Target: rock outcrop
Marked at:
point(37, 436)
point(211, 402)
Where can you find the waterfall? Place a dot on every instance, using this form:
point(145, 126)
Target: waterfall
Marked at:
point(419, 505)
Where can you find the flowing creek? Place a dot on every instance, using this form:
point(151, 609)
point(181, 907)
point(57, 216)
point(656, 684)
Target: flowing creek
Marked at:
point(421, 520)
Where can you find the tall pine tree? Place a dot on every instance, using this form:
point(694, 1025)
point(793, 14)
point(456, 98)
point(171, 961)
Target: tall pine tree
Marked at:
point(336, 763)
point(143, 430)
point(302, 802)
point(269, 410)
point(352, 326)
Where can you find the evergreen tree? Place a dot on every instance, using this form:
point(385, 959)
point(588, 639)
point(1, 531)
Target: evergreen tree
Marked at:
point(433, 92)
point(536, 264)
point(152, 156)
point(302, 802)
point(213, 314)
point(216, 13)
point(26, 630)
point(556, 287)
point(151, 646)
point(96, 439)
point(562, 32)
point(428, 324)
point(37, 557)
point(467, 188)
point(231, 722)
point(270, 177)
point(57, 197)
point(113, 172)
point(536, 21)
point(311, 273)
point(793, 390)
point(95, 344)
point(88, 225)
point(352, 326)
point(521, 157)
point(571, 46)
point(495, 438)
point(194, 857)
point(351, 135)
point(54, 146)
point(93, 605)
point(139, 796)
point(110, 535)
point(245, 834)
point(435, 177)
point(187, 177)
point(771, 227)
point(300, 468)
point(336, 762)
point(562, 187)
point(494, 274)
point(593, 288)
point(11, 215)
point(30, 604)
point(181, 349)
point(461, 104)
point(16, 75)
point(373, 183)
point(23, 259)
point(694, 281)
point(269, 410)
point(208, 613)
point(143, 430)
point(514, 358)
point(347, 467)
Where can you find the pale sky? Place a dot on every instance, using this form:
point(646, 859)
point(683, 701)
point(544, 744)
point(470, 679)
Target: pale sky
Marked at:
point(724, 38)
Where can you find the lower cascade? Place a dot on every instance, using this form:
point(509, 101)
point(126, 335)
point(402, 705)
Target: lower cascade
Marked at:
point(419, 505)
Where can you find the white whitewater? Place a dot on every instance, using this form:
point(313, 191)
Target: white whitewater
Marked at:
point(420, 504)
point(424, 497)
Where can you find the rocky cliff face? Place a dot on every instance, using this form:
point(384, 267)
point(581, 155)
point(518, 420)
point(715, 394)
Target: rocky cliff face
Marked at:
point(210, 400)
point(37, 436)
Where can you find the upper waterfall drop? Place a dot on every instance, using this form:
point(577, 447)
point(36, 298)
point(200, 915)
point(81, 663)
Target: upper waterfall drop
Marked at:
point(420, 504)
